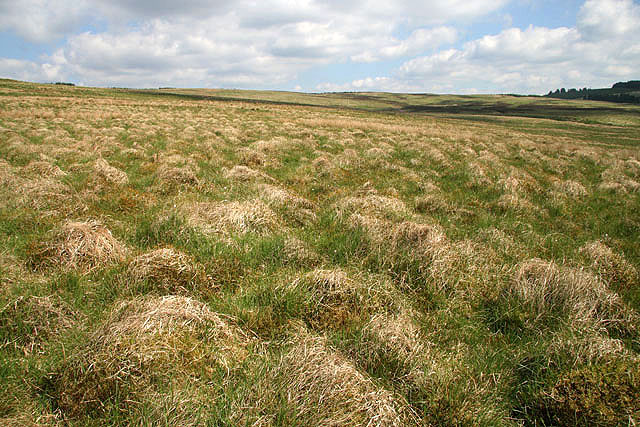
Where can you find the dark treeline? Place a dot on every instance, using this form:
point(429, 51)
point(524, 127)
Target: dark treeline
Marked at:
point(624, 92)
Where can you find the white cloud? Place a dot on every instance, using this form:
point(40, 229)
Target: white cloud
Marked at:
point(41, 21)
point(418, 42)
point(222, 42)
point(604, 46)
point(29, 70)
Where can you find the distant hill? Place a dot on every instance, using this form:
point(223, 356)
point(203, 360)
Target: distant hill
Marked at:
point(624, 92)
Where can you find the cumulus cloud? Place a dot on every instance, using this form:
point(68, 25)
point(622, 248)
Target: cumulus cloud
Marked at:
point(224, 42)
point(604, 46)
point(41, 21)
point(249, 43)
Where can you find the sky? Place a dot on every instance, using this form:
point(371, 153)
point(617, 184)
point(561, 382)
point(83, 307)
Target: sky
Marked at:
point(437, 46)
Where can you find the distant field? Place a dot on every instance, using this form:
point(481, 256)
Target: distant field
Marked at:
point(217, 257)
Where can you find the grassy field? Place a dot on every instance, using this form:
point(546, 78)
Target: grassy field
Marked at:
point(200, 257)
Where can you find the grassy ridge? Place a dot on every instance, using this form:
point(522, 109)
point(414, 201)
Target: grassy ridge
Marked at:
point(191, 257)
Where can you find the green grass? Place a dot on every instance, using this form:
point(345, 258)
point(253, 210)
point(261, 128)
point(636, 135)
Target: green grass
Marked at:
point(415, 300)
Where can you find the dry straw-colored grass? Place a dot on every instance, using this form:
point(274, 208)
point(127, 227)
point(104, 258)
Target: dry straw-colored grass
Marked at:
point(571, 188)
point(45, 169)
point(323, 388)
point(147, 341)
point(297, 208)
point(79, 245)
point(109, 173)
point(612, 267)
point(170, 270)
point(373, 204)
point(171, 175)
point(297, 251)
point(394, 337)
point(245, 173)
point(251, 216)
point(547, 289)
point(334, 298)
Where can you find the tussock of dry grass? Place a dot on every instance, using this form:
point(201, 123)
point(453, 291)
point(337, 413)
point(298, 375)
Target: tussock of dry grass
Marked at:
point(615, 179)
point(147, 341)
point(519, 182)
point(298, 251)
point(109, 173)
point(171, 270)
point(614, 268)
point(45, 169)
point(324, 388)
point(375, 205)
point(431, 203)
point(297, 208)
point(517, 203)
point(323, 165)
point(245, 173)
point(40, 193)
point(571, 188)
point(44, 317)
point(249, 157)
point(174, 175)
point(335, 298)
point(251, 216)
point(394, 337)
point(80, 245)
point(551, 290)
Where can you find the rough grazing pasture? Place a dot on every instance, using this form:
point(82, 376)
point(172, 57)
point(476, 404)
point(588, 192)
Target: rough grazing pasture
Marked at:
point(264, 258)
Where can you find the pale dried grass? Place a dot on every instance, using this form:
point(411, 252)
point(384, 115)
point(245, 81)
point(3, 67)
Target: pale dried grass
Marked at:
point(334, 298)
point(44, 169)
point(251, 216)
point(167, 268)
point(170, 175)
point(431, 203)
point(80, 245)
point(547, 289)
point(612, 267)
point(373, 205)
point(145, 342)
point(325, 388)
point(517, 203)
point(394, 337)
point(244, 173)
point(109, 173)
point(295, 207)
point(295, 250)
point(571, 188)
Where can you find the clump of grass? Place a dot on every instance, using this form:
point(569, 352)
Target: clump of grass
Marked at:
point(45, 169)
point(170, 270)
point(295, 207)
point(299, 252)
point(333, 298)
point(251, 216)
point(431, 203)
point(79, 245)
point(245, 173)
point(109, 173)
point(375, 205)
point(171, 175)
point(603, 394)
point(29, 322)
point(393, 346)
point(571, 188)
point(613, 268)
point(551, 291)
point(319, 386)
point(146, 343)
